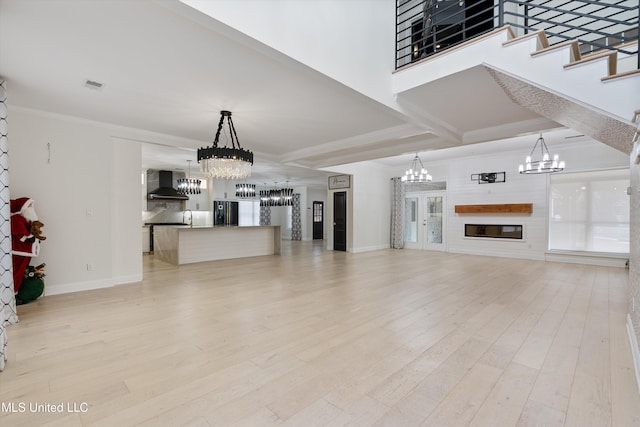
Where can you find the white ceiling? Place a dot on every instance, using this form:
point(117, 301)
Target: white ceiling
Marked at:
point(169, 70)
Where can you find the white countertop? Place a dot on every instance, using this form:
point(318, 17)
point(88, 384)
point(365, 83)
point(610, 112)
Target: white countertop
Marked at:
point(183, 227)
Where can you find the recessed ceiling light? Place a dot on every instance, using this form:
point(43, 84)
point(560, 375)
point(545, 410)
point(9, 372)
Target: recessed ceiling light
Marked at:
point(93, 84)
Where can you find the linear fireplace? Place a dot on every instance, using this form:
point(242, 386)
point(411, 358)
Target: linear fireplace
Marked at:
point(493, 231)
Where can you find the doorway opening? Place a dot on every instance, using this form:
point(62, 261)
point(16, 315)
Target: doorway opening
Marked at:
point(425, 221)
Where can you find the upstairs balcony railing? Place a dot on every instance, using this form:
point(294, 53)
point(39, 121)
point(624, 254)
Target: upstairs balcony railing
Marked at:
point(426, 27)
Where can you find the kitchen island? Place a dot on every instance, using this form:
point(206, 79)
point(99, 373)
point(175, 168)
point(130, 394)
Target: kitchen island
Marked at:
point(184, 244)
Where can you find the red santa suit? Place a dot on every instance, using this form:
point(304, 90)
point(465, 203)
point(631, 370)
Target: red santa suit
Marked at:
point(24, 245)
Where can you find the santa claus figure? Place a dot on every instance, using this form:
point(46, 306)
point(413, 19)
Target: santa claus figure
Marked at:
point(25, 237)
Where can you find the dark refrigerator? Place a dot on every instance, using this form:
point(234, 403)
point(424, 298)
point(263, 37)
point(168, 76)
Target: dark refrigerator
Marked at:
point(225, 213)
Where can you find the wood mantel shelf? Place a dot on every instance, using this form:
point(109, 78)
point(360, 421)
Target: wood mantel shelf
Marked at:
point(501, 208)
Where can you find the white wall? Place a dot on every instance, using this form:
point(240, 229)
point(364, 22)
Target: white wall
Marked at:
point(125, 205)
point(372, 208)
point(351, 41)
point(222, 189)
point(200, 203)
point(633, 321)
point(368, 206)
point(82, 194)
point(279, 217)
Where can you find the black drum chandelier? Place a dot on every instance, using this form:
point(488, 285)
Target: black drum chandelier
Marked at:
point(245, 191)
point(188, 185)
point(276, 197)
point(226, 162)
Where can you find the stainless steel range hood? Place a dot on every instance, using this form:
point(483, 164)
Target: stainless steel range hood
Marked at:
point(165, 190)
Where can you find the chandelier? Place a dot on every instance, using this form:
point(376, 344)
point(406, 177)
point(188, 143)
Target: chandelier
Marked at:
point(276, 197)
point(544, 164)
point(245, 191)
point(226, 162)
point(188, 185)
point(417, 172)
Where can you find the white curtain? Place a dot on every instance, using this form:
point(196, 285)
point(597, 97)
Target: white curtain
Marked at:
point(397, 213)
point(8, 314)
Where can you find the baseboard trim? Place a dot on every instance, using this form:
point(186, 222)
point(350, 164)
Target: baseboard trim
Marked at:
point(123, 280)
point(66, 288)
point(533, 257)
point(369, 249)
point(588, 259)
point(635, 350)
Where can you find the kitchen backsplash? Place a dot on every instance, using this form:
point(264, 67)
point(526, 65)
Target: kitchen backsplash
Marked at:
point(173, 211)
point(163, 211)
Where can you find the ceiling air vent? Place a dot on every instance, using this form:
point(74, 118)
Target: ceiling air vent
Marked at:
point(93, 85)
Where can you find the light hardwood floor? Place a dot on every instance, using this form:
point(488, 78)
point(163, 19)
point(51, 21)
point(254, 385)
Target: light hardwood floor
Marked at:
point(315, 337)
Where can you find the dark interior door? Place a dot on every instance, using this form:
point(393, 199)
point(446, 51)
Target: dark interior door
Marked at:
point(318, 220)
point(340, 221)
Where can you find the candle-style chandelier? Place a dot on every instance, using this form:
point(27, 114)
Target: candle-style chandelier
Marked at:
point(245, 191)
point(417, 172)
point(188, 185)
point(226, 162)
point(544, 164)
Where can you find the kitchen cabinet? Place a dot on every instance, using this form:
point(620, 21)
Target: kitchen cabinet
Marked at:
point(199, 202)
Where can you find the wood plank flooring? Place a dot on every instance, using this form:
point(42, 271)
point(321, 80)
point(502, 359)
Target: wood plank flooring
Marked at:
point(314, 338)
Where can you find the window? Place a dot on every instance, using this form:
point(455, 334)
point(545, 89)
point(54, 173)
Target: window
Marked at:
point(317, 211)
point(417, 40)
point(248, 212)
point(289, 213)
point(411, 219)
point(589, 211)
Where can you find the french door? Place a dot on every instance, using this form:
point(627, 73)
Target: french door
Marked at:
point(425, 221)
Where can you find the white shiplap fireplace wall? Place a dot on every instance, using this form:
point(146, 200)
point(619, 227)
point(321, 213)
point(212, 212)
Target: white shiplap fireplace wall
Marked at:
point(461, 190)
point(517, 189)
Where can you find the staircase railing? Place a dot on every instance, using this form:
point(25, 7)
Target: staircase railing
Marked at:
point(426, 27)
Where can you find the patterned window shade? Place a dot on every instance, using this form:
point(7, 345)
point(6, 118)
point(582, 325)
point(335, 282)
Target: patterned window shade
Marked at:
point(265, 215)
point(296, 221)
point(397, 213)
